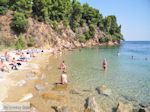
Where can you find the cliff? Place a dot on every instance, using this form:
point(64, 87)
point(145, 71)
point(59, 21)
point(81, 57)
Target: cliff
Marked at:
point(44, 34)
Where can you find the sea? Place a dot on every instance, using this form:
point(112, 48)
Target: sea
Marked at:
point(128, 75)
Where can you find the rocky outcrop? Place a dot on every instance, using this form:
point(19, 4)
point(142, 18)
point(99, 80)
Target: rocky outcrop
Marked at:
point(91, 105)
point(104, 90)
point(124, 107)
point(44, 34)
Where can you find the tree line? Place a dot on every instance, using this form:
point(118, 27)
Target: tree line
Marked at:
point(71, 12)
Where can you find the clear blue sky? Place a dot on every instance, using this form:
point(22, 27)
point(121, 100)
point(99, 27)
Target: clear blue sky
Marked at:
point(133, 15)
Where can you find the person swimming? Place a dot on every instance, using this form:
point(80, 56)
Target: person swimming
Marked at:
point(64, 78)
point(63, 66)
point(105, 63)
point(146, 58)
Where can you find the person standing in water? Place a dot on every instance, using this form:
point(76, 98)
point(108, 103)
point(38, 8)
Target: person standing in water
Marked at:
point(105, 63)
point(132, 57)
point(118, 53)
point(64, 78)
point(63, 66)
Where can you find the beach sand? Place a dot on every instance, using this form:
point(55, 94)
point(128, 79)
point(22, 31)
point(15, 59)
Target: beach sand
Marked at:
point(52, 95)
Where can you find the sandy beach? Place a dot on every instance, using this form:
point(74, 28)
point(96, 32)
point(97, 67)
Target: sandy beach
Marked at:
point(17, 84)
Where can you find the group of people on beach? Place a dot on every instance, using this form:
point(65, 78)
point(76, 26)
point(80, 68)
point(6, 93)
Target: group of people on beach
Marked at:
point(13, 60)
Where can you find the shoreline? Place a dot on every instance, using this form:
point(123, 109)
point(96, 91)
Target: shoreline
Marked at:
point(60, 97)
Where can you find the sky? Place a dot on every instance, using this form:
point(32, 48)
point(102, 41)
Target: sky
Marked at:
point(133, 15)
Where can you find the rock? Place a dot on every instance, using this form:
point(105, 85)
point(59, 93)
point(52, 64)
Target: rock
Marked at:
point(48, 96)
point(129, 98)
point(32, 77)
point(33, 109)
point(91, 105)
point(63, 109)
point(60, 87)
point(74, 91)
point(77, 44)
point(110, 43)
point(36, 72)
point(20, 83)
point(40, 87)
point(26, 97)
point(104, 90)
point(124, 107)
point(144, 105)
point(86, 90)
point(144, 109)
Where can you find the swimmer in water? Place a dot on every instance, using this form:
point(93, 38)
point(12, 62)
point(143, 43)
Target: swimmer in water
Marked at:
point(105, 63)
point(118, 54)
point(63, 66)
point(64, 78)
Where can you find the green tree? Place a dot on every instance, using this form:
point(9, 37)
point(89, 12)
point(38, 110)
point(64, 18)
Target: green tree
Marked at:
point(76, 15)
point(24, 6)
point(3, 6)
point(4, 2)
point(20, 23)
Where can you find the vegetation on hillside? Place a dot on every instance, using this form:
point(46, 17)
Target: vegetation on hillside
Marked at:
point(70, 12)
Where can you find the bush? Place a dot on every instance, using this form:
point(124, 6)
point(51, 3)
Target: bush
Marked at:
point(92, 30)
point(87, 35)
point(1, 25)
point(74, 25)
point(81, 38)
point(3, 10)
point(118, 36)
point(21, 44)
point(108, 37)
point(31, 42)
point(55, 25)
point(102, 39)
point(20, 23)
point(66, 23)
point(4, 2)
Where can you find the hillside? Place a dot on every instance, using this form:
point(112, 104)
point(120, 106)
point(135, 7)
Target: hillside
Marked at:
point(63, 23)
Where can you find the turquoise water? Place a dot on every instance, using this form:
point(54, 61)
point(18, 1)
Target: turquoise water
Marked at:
point(128, 79)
